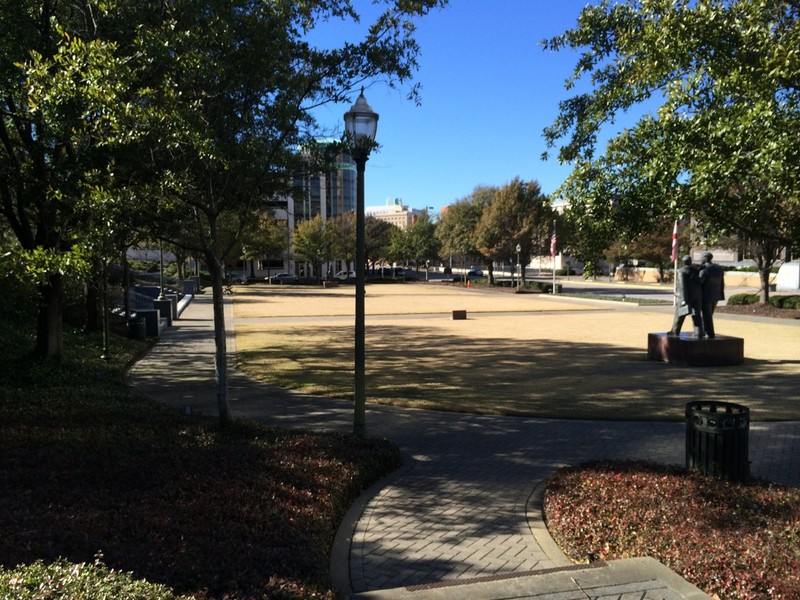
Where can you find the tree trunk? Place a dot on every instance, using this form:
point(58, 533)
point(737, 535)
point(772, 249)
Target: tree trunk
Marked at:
point(92, 298)
point(523, 262)
point(49, 319)
point(764, 292)
point(126, 286)
point(216, 271)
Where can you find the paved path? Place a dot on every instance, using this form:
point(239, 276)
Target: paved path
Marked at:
point(463, 509)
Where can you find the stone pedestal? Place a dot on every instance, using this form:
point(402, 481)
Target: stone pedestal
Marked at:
point(164, 307)
point(189, 286)
point(174, 299)
point(151, 319)
point(684, 350)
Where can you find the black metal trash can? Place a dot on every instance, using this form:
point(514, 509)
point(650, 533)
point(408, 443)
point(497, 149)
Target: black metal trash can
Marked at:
point(717, 439)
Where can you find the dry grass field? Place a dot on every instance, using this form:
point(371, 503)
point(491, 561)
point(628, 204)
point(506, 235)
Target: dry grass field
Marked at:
point(520, 354)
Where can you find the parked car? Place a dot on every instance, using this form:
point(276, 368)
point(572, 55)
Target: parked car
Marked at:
point(284, 278)
point(391, 272)
point(345, 275)
point(472, 273)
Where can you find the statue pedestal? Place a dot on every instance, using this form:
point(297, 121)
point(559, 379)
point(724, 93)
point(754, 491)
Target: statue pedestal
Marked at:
point(720, 351)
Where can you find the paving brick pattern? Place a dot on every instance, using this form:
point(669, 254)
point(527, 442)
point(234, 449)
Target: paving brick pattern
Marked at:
point(460, 511)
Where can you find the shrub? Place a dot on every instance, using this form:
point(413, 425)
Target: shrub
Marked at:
point(742, 299)
point(791, 302)
point(787, 302)
point(738, 541)
point(543, 286)
point(81, 581)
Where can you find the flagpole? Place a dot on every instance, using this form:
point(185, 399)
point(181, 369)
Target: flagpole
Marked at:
point(553, 254)
point(675, 264)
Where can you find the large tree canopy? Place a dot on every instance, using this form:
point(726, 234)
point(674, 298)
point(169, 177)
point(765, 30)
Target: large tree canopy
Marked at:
point(456, 228)
point(518, 216)
point(722, 145)
point(199, 107)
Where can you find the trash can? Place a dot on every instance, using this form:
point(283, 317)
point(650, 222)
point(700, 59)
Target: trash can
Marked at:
point(137, 328)
point(717, 439)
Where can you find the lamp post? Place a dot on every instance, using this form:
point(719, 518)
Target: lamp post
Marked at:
point(361, 124)
point(161, 295)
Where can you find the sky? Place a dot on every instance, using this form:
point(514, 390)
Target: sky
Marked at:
point(488, 91)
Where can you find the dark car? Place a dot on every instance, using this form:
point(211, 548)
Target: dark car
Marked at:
point(474, 273)
point(284, 278)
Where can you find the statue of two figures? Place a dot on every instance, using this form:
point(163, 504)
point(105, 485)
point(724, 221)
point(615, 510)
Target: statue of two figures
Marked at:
point(698, 291)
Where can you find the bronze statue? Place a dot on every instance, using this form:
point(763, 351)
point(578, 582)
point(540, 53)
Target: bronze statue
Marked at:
point(712, 280)
point(690, 298)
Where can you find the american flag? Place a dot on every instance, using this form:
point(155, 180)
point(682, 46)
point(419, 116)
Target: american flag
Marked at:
point(553, 239)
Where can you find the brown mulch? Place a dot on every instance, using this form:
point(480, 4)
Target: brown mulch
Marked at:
point(761, 310)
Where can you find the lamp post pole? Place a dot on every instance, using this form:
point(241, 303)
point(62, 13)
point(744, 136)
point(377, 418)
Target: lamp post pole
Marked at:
point(161, 295)
point(359, 408)
point(361, 123)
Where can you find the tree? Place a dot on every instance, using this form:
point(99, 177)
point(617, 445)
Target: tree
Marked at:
point(344, 241)
point(314, 240)
point(265, 240)
point(722, 145)
point(206, 102)
point(64, 116)
point(519, 216)
point(416, 243)
point(378, 236)
point(239, 80)
point(456, 228)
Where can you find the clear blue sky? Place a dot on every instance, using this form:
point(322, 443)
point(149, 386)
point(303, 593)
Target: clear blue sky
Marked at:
point(488, 91)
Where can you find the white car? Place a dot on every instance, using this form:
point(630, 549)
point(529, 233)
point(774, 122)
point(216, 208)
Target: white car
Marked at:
point(345, 275)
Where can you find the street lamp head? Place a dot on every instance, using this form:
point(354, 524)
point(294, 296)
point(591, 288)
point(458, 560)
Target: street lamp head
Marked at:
point(361, 125)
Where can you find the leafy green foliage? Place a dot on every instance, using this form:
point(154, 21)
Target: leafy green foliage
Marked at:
point(718, 141)
point(742, 299)
point(81, 581)
point(416, 243)
point(789, 302)
point(734, 540)
point(88, 466)
point(378, 235)
point(456, 229)
point(315, 239)
point(519, 215)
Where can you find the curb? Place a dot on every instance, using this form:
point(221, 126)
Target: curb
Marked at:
point(340, 576)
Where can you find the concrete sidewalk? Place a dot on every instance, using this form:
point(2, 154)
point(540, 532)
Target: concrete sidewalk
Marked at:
point(461, 519)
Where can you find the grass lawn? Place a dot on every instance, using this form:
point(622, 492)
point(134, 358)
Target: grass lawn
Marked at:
point(521, 354)
point(97, 476)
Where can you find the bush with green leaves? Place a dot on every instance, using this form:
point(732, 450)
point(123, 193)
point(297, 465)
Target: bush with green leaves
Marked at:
point(789, 302)
point(786, 302)
point(81, 581)
point(742, 299)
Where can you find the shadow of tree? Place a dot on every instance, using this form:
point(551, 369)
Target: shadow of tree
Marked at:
point(543, 378)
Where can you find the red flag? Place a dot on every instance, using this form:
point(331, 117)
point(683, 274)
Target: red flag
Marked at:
point(675, 242)
point(553, 241)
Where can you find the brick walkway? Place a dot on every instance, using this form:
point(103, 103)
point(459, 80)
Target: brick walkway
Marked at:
point(461, 511)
